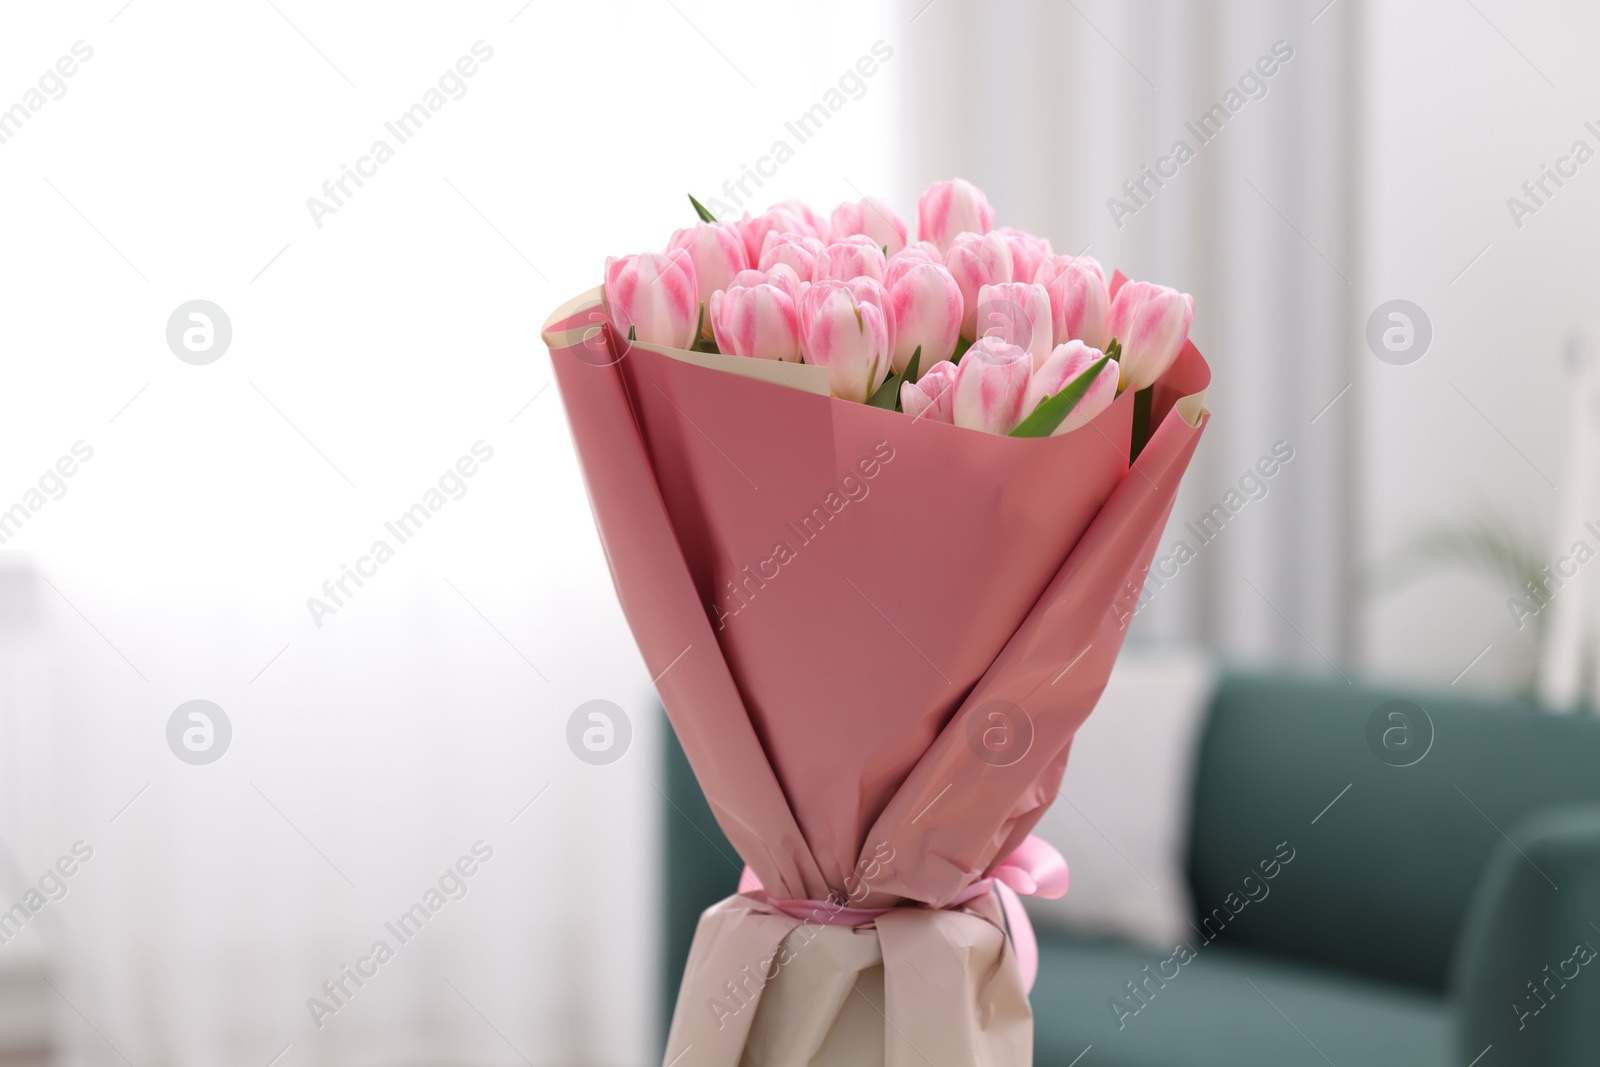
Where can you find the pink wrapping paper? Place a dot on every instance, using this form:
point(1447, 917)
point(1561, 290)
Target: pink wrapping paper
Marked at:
point(875, 635)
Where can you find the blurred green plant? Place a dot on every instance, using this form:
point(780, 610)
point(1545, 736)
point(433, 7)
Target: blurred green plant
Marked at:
point(1486, 543)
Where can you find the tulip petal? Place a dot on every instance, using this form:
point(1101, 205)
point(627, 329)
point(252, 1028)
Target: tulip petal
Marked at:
point(1044, 419)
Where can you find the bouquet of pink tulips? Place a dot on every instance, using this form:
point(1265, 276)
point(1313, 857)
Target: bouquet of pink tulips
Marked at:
point(980, 328)
point(773, 421)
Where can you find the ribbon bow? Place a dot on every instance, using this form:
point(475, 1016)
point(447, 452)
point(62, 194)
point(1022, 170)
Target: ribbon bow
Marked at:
point(1035, 868)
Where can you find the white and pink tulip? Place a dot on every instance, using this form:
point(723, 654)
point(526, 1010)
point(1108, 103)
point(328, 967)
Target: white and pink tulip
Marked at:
point(757, 316)
point(927, 313)
point(754, 228)
point(817, 225)
point(797, 251)
point(848, 328)
point(1064, 364)
point(1027, 252)
point(856, 256)
point(655, 294)
point(1152, 323)
point(718, 253)
point(948, 209)
point(931, 396)
point(872, 218)
point(1080, 304)
point(991, 386)
point(977, 260)
point(1019, 313)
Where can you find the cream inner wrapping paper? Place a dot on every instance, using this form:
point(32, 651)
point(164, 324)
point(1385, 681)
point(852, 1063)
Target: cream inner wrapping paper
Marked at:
point(800, 994)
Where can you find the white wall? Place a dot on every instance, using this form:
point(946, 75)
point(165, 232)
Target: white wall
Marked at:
point(1458, 113)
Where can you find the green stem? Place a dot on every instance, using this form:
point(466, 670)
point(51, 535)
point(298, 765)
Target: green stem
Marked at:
point(1141, 422)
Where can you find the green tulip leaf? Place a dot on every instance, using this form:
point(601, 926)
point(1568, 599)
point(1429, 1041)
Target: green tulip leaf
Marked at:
point(1053, 410)
point(887, 395)
point(910, 374)
point(962, 344)
point(700, 209)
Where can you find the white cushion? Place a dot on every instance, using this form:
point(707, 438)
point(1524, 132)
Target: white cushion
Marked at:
point(1122, 819)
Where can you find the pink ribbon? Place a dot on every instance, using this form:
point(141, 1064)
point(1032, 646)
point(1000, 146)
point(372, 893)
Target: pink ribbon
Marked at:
point(1034, 869)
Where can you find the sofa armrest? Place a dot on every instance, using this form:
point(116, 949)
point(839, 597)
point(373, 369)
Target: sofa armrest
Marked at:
point(1526, 972)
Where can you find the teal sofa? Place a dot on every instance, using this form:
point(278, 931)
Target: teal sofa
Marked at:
point(1441, 906)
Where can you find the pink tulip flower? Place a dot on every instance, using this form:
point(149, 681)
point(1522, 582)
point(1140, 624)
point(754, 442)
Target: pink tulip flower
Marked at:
point(759, 318)
point(780, 219)
point(1080, 304)
point(718, 254)
point(1064, 364)
point(976, 261)
point(1018, 313)
point(779, 274)
point(851, 257)
point(1027, 252)
point(656, 294)
point(930, 396)
point(818, 226)
point(947, 209)
point(1152, 323)
point(796, 250)
point(845, 327)
point(991, 385)
point(927, 313)
point(872, 218)
point(908, 257)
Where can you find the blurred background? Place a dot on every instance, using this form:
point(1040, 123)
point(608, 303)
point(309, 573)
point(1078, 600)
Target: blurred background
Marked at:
point(176, 518)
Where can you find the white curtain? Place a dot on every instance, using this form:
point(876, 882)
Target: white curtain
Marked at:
point(371, 348)
point(1051, 107)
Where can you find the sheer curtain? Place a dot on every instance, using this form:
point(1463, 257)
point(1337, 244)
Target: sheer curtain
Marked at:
point(372, 349)
point(1052, 108)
